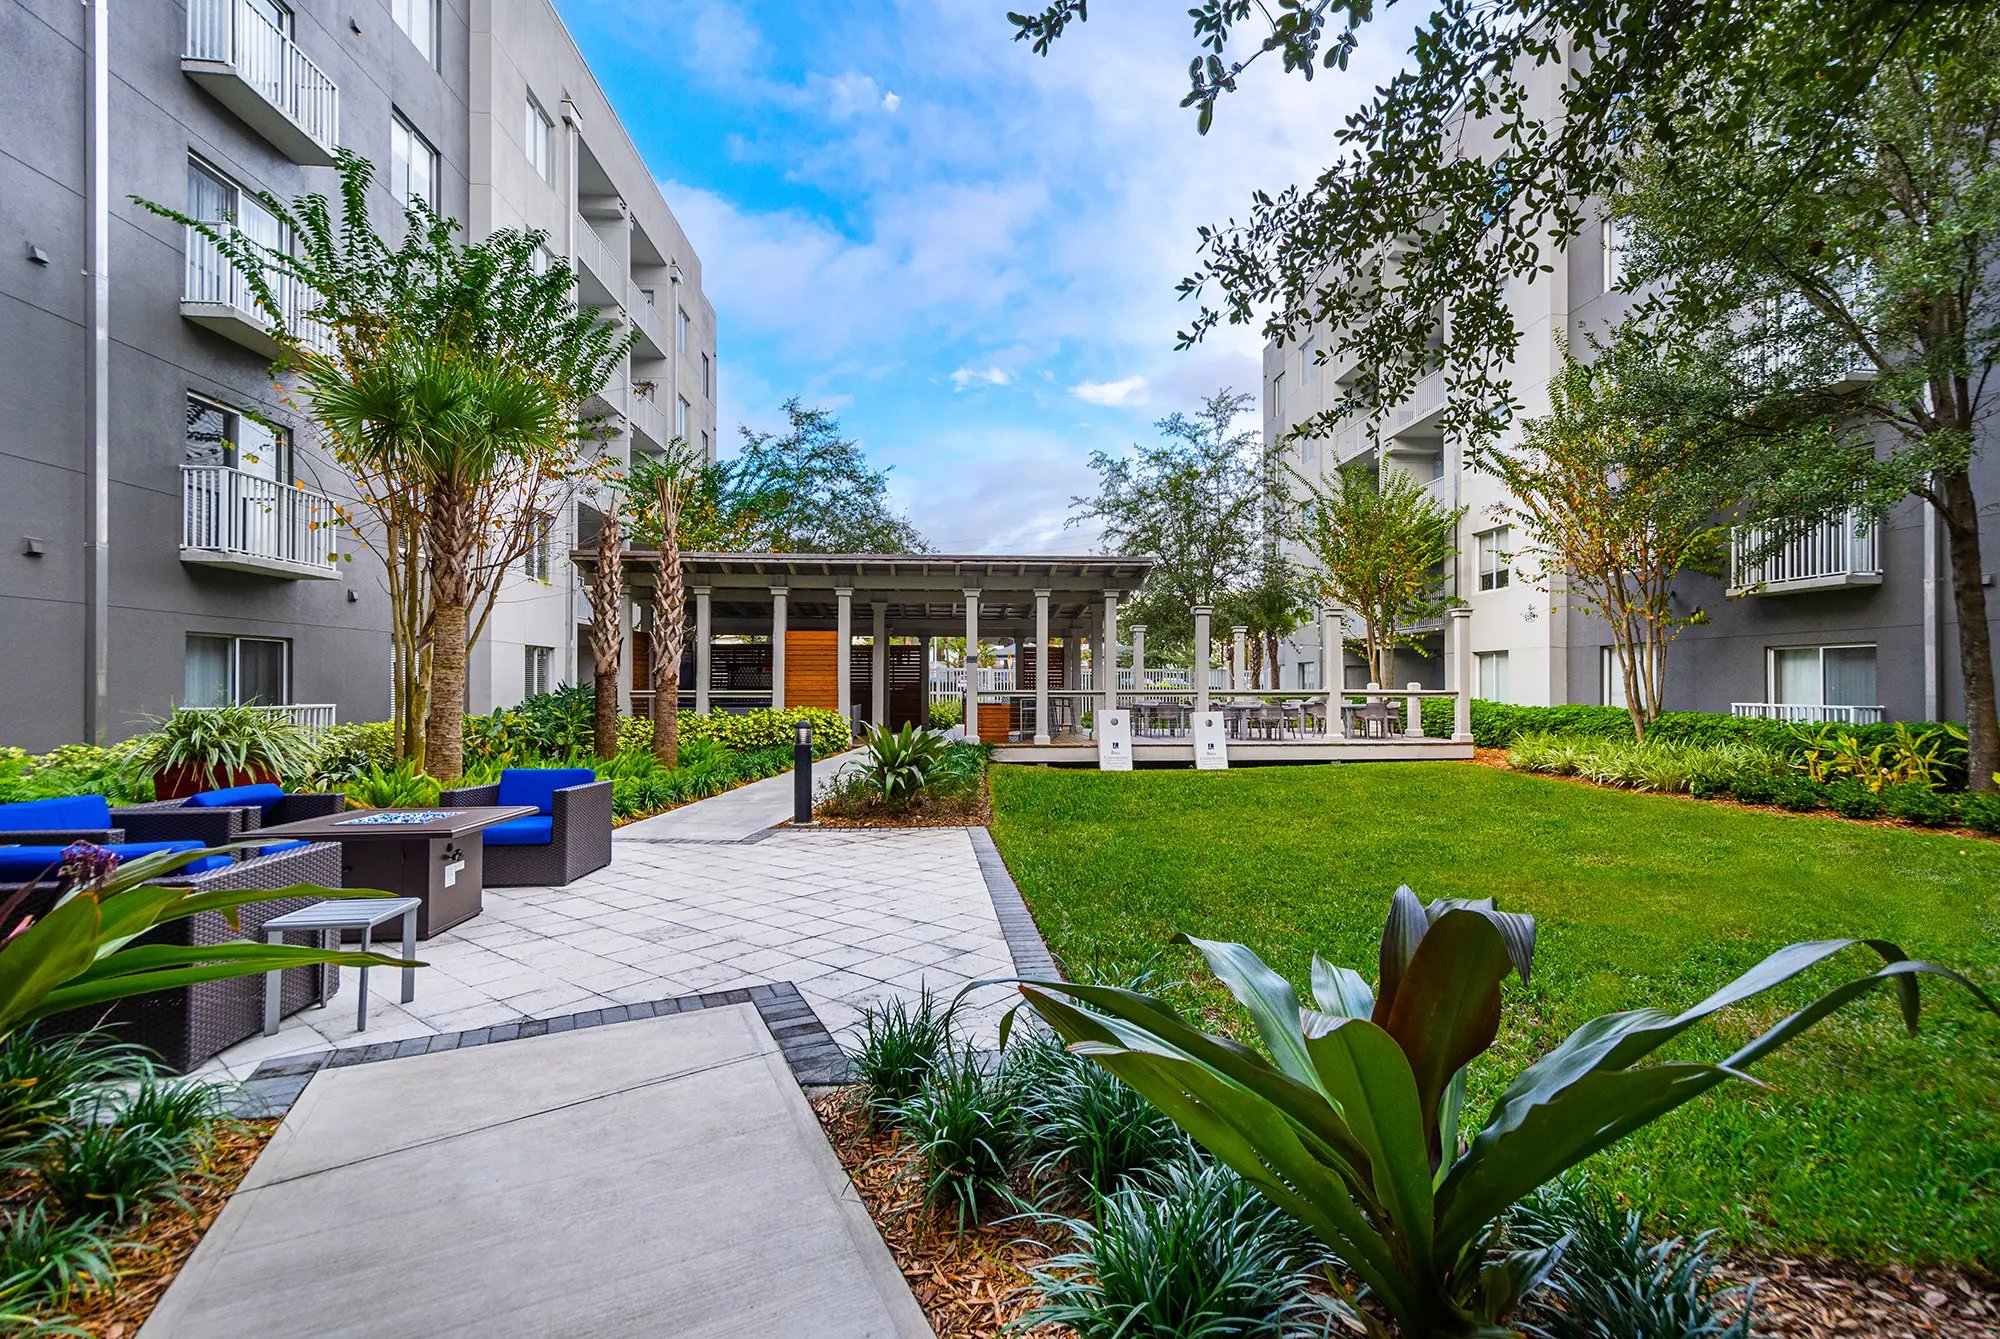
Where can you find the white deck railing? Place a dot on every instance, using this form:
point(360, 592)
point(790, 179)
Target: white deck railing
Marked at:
point(212, 279)
point(649, 418)
point(312, 717)
point(1833, 550)
point(594, 254)
point(226, 511)
point(235, 33)
point(1807, 713)
point(646, 316)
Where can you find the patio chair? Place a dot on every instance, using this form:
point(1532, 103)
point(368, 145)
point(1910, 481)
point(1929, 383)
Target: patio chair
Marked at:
point(190, 1026)
point(234, 813)
point(1376, 720)
point(34, 833)
point(567, 836)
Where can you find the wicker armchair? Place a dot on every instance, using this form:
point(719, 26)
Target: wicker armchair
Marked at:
point(190, 1026)
point(170, 820)
point(579, 837)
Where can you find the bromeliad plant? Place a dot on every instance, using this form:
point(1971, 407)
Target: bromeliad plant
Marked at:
point(1352, 1125)
point(899, 765)
point(82, 951)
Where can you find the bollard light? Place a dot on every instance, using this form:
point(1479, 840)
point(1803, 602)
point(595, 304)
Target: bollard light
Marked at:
point(802, 776)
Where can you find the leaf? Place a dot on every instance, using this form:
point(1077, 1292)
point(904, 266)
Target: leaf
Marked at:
point(1400, 937)
point(50, 951)
point(76, 996)
point(1368, 1078)
point(1447, 1010)
point(1340, 992)
point(1273, 1004)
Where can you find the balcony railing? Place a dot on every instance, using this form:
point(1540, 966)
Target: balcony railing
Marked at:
point(646, 318)
point(1806, 713)
point(1844, 549)
point(312, 717)
point(219, 297)
point(593, 253)
point(649, 419)
point(255, 69)
point(1417, 416)
point(248, 523)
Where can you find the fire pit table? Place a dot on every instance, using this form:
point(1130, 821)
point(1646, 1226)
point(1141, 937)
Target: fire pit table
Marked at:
point(434, 855)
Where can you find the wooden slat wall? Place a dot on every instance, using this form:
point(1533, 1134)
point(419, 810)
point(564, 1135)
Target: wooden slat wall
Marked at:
point(811, 673)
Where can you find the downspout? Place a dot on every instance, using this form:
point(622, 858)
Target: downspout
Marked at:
point(1933, 629)
point(674, 344)
point(97, 395)
point(572, 130)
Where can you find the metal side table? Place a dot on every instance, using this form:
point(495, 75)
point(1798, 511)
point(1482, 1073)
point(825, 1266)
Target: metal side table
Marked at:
point(362, 914)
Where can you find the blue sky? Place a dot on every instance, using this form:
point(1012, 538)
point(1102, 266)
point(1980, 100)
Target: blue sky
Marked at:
point(966, 251)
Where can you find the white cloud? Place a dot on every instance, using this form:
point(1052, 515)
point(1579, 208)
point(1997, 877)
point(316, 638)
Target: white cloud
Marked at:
point(963, 377)
point(891, 101)
point(1110, 392)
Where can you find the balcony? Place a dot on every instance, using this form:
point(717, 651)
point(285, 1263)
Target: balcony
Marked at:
point(1809, 713)
point(1843, 549)
point(247, 523)
point(1416, 419)
point(649, 420)
point(646, 319)
point(217, 297)
point(600, 278)
point(256, 70)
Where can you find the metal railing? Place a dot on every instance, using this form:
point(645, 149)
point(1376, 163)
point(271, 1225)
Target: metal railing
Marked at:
point(1809, 713)
point(1831, 549)
point(226, 511)
point(212, 279)
point(639, 306)
point(594, 254)
point(1426, 398)
point(311, 717)
point(236, 33)
point(649, 418)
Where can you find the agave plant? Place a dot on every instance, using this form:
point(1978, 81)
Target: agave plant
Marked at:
point(899, 765)
point(1352, 1125)
point(81, 952)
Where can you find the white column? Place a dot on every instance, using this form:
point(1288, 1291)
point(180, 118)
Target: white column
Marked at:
point(843, 645)
point(1461, 650)
point(1413, 712)
point(1041, 667)
point(1138, 657)
point(972, 666)
point(1202, 613)
point(1239, 657)
point(778, 594)
point(701, 651)
point(1111, 648)
point(1332, 670)
point(878, 667)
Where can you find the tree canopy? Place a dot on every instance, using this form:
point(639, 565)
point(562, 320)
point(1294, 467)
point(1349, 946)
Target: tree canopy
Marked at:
point(810, 490)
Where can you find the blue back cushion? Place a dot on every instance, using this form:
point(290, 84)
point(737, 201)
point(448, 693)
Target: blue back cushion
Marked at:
point(538, 785)
point(18, 864)
point(70, 813)
point(262, 796)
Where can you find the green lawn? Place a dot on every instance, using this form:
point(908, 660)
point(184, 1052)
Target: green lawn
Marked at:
point(1868, 1145)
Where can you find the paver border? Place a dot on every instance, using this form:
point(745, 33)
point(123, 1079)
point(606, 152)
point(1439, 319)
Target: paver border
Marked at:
point(815, 1058)
point(1017, 924)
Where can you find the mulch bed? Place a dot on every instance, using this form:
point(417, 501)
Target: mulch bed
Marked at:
point(1825, 1299)
point(163, 1244)
point(971, 1285)
point(974, 811)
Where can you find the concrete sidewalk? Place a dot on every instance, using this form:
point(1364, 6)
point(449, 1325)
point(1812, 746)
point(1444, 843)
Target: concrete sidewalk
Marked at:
point(663, 1177)
point(734, 814)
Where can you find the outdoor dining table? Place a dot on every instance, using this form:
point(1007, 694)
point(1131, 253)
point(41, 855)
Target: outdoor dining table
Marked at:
point(434, 855)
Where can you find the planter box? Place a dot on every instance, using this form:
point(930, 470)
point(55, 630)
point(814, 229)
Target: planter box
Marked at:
point(177, 783)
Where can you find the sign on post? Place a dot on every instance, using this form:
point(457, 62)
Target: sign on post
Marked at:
point(1114, 741)
point(1211, 743)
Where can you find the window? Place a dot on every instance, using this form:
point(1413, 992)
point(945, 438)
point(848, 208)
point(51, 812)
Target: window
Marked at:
point(418, 19)
point(219, 671)
point(685, 326)
point(272, 13)
point(1308, 451)
point(1614, 268)
point(413, 164)
point(1494, 557)
point(535, 563)
point(536, 137)
point(214, 198)
point(538, 670)
point(1308, 674)
point(707, 378)
point(1492, 675)
point(1610, 678)
point(1823, 676)
point(219, 435)
point(1309, 357)
point(540, 259)
point(707, 451)
point(1278, 397)
point(681, 414)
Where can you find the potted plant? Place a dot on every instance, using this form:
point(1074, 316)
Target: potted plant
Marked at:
point(202, 748)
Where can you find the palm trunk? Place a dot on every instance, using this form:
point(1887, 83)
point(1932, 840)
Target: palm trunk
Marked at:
point(444, 725)
point(1975, 636)
point(669, 640)
point(607, 632)
point(1271, 659)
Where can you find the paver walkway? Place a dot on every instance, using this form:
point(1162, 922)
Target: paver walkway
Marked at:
point(663, 1177)
point(846, 915)
point(734, 814)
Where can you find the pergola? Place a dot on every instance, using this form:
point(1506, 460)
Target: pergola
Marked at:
point(984, 598)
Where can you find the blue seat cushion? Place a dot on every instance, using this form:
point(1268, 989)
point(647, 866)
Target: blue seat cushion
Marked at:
point(18, 864)
point(538, 786)
point(533, 830)
point(262, 796)
point(69, 813)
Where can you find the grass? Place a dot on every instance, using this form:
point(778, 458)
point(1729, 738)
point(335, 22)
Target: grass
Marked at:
point(1868, 1146)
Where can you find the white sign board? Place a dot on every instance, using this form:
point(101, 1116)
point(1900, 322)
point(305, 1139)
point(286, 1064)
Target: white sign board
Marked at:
point(1114, 741)
point(1211, 743)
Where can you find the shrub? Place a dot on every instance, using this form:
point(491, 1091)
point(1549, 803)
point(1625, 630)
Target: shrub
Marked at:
point(1194, 1251)
point(966, 1132)
point(1853, 799)
point(1754, 789)
point(44, 1259)
point(1980, 810)
point(399, 787)
point(78, 769)
point(1612, 1284)
point(635, 734)
point(1084, 1122)
point(346, 751)
point(1800, 794)
point(95, 1169)
point(946, 714)
point(1916, 803)
point(1352, 1125)
point(900, 1046)
point(218, 743)
point(749, 731)
point(175, 1109)
point(897, 766)
point(43, 1079)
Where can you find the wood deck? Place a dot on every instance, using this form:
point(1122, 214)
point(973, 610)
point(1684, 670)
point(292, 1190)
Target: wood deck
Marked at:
point(1155, 751)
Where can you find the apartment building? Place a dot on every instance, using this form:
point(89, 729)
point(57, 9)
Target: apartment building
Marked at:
point(169, 516)
point(1835, 625)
